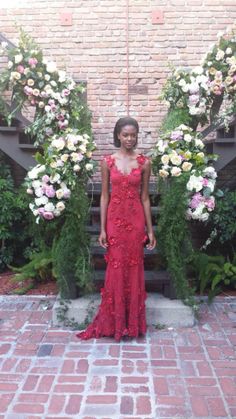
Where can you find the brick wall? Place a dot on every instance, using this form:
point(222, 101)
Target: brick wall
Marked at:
point(92, 47)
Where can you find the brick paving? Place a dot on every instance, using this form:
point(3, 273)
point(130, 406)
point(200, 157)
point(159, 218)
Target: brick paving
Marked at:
point(46, 372)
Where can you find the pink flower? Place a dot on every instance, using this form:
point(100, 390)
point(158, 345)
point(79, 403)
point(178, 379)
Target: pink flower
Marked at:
point(196, 200)
point(32, 62)
point(20, 69)
point(28, 90)
point(176, 135)
point(41, 211)
point(65, 92)
point(50, 191)
point(205, 182)
point(45, 178)
point(66, 194)
point(210, 203)
point(48, 215)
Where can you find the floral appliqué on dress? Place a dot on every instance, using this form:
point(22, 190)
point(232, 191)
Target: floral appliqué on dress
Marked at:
point(122, 308)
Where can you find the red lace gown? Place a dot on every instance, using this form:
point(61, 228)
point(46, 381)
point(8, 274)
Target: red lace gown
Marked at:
point(122, 308)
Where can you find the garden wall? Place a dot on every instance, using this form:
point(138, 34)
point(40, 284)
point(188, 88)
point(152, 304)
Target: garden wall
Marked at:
point(90, 39)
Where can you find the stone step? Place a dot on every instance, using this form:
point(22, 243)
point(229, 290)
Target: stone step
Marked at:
point(159, 311)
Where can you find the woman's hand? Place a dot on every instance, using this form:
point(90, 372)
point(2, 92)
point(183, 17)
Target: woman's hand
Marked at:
point(152, 241)
point(103, 239)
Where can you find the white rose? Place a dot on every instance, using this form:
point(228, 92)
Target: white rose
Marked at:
point(33, 174)
point(18, 58)
point(57, 213)
point(53, 165)
point(77, 168)
point(47, 77)
point(201, 155)
point(53, 83)
point(64, 157)
point(165, 159)
point(195, 182)
point(15, 75)
point(43, 200)
point(29, 191)
point(59, 143)
point(175, 171)
point(10, 64)
point(163, 173)
point(60, 206)
point(187, 138)
point(186, 166)
point(62, 76)
point(185, 88)
point(49, 207)
point(182, 82)
point(41, 105)
point(198, 70)
point(89, 166)
point(210, 172)
point(70, 145)
point(59, 193)
point(51, 67)
point(199, 143)
point(175, 159)
point(55, 178)
point(82, 148)
point(228, 51)
point(38, 192)
point(4, 44)
point(220, 54)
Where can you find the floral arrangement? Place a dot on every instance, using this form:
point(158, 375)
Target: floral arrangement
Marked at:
point(181, 152)
point(196, 89)
point(59, 111)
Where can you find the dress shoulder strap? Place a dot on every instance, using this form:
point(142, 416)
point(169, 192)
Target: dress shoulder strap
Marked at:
point(142, 159)
point(109, 160)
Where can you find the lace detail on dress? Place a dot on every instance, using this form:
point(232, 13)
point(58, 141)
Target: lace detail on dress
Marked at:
point(122, 308)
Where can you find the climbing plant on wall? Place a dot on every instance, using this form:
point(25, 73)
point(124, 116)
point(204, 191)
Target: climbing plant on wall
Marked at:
point(61, 128)
point(186, 176)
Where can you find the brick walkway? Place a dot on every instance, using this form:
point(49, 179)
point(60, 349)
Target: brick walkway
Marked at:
point(48, 373)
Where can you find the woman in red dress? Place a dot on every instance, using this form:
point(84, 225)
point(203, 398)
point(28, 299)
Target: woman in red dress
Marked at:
point(124, 216)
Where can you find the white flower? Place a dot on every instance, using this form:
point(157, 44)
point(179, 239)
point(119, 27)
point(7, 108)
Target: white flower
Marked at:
point(47, 77)
point(220, 54)
point(185, 88)
point(187, 138)
point(165, 159)
point(58, 143)
point(36, 184)
point(15, 75)
point(51, 67)
point(55, 178)
point(89, 166)
point(62, 76)
point(175, 159)
point(18, 58)
point(186, 166)
point(195, 183)
point(163, 173)
point(43, 200)
point(199, 143)
point(182, 82)
point(59, 193)
point(77, 168)
point(53, 165)
point(176, 171)
point(184, 128)
point(49, 207)
point(198, 70)
point(4, 44)
point(29, 191)
point(228, 51)
point(10, 64)
point(64, 157)
point(38, 192)
point(82, 148)
point(41, 105)
point(210, 172)
point(60, 206)
point(201, 155)
point(70, 145)
point(30, 82)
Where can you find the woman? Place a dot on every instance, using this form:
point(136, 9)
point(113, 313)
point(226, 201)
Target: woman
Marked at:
point(123, 218)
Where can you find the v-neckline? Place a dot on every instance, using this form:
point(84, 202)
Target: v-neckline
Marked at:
point(120, 171)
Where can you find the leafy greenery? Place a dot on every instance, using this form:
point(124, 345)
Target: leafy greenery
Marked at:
point(39, 268)
point(213, 272)
point(173, 235)
point(72, 246)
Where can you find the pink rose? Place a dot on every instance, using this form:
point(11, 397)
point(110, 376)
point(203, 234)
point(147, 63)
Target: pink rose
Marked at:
point(48, 215)
point(210, 203)
point(65, 92)
point(41, 211)
point(32, 62)
point(205, 182)
point(45, 178)
point(50, 191)
point(20, 69)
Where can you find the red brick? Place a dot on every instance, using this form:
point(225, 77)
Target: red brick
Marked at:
point(127, 405)
point(28, 408)
point(228, 385)
point(5, 348)
point(5, 400)
point(69, 388)
point(56, 404)
point(31, 382)
point(199, 406)
point(82, 366)
point(8, 387)
point(104, 399)
point(106, 362)
point(160, 385)
point(216, 407)
point(143, 405)
point(33, 398)
point(45, 383)
point(73, 405)
point(68, 366)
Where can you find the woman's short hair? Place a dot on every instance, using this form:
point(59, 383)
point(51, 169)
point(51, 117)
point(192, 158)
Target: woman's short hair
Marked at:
point(122, 122)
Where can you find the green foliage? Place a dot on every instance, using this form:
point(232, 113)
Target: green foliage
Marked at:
point(174, 118)
point(213, 272)
point(173, 235)
point(223, 219)
point(39, 268)
point(72, 246)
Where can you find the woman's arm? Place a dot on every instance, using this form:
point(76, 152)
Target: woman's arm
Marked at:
point(146, 204)
point(104, 200)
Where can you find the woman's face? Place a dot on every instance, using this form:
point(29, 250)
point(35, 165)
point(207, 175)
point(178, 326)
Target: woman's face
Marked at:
point(128, 136)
